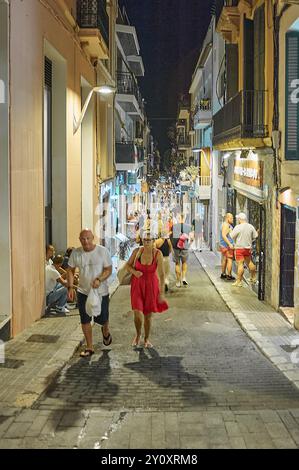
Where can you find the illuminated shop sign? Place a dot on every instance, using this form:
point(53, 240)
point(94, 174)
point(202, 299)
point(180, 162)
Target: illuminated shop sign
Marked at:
point(249, 172)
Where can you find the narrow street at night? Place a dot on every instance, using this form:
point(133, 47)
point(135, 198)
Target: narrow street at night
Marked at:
point(205, 384)
point(149, 229)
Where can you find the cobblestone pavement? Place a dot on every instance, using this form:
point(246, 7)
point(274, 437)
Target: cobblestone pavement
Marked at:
point(205, 384)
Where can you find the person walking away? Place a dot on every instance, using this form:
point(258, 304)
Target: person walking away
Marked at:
point(243, 235)
point(164, 245)
point(227, 248)
point(95, 267)
point(181, 239)
point(160, 224)
point(147, 285)
point(197, 227)
point(56, 287)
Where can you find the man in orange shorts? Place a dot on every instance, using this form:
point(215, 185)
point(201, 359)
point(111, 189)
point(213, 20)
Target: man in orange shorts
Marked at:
point(227, 248)
point(243, 235)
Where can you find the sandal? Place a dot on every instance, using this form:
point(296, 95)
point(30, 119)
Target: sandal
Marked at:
point(86, 353)
point(107, 340)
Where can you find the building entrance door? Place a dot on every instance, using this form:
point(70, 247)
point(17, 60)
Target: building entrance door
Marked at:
point(257, 217)
point(287, 256)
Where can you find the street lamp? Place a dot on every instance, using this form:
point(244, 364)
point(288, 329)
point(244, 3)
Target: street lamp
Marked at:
point(199, 150)
point(104, 90)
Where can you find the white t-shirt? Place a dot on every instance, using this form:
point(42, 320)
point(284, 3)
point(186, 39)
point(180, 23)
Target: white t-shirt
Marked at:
point(52, 275)
point(244, 234)
point(91, 265)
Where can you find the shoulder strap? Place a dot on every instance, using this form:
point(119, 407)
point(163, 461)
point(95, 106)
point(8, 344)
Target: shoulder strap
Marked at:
point(156, 254)
point(137, 256)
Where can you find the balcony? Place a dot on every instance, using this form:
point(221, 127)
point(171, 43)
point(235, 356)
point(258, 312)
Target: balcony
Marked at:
point(128, 38)
point(184, 142)
point(136, 65)
point(229, 21)
point(243, 117)
point(129, 96)
point(202, 114)
point(128, 156)
point(203, 188)
point(93, 20)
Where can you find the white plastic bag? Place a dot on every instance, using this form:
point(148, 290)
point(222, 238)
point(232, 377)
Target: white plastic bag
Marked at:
point(94, 303)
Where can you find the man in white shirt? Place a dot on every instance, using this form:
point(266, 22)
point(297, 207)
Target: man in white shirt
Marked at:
point(95, 265)
point(50, 253)
point(243, 235)
point(56, 287)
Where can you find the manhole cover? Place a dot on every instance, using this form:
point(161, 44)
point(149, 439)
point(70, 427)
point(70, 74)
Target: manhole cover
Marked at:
point(12, 364)
point(289, 349)
point(43, 339)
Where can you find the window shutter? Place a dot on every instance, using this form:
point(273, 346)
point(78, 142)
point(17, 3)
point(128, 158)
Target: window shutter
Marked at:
point(292, 97)
point(248, 55)
point(232, 70)
point(259, 49)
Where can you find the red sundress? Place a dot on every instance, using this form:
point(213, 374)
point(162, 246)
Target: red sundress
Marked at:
point(145, 290)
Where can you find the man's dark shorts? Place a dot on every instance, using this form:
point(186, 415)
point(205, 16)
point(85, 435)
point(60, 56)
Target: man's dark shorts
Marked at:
point(85, 319)
point(180, 255)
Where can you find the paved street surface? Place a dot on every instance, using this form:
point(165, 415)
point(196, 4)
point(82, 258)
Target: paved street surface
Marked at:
point(204, 385)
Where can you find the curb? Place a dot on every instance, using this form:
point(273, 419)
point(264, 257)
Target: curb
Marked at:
point(53, 367)
point(267, 348)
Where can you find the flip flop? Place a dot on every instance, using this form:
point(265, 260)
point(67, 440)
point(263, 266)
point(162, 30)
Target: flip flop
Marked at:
point(136, 343)
point(87, 353)
point(107, 340)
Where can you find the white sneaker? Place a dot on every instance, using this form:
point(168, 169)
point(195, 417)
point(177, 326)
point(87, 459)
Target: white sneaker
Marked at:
point(71, 306)
point(62, 310)
point(185, 283)
point(178, 284)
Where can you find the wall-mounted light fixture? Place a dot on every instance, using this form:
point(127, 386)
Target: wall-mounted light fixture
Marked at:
point(104, 90)
point(283, 190)
point(200, 150)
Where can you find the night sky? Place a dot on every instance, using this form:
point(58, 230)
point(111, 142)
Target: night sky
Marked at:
point(170, 34)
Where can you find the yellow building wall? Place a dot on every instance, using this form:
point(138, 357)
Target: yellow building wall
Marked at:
point(31, 24)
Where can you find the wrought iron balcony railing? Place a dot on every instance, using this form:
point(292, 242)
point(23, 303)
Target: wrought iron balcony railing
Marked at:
point(127, 85)
point(92, 14)
point(125, 153)
point(243, 116)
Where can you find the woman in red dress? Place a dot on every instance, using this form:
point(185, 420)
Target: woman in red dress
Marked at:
point(148, 279)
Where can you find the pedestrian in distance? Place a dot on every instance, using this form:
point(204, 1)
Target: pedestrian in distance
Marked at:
point(164, 245)
point(147, 286)
point(197, 227)
point(95, 266)
point(181, 238)
point(243, 235)
point(227, 248)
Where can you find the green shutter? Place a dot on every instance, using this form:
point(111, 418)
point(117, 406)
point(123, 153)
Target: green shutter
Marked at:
point(292, 117)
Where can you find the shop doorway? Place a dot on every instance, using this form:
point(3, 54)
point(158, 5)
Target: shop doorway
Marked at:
point(287, 256)
point(257, 217)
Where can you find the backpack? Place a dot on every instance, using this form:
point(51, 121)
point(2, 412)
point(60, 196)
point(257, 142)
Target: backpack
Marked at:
point(182, 240)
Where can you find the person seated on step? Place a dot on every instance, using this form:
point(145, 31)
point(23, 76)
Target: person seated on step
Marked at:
point(56, 287)
point(50, 253)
